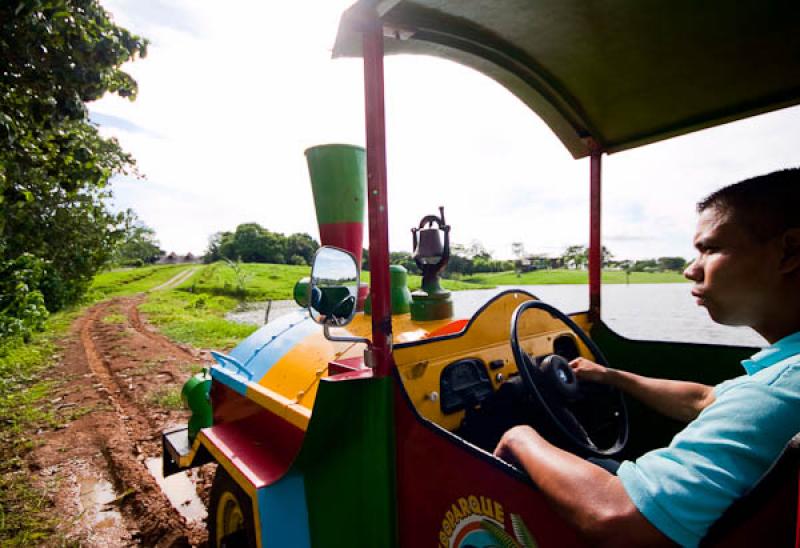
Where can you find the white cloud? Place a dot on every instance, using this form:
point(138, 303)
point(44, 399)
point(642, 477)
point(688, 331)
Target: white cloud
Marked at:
point(231, 95)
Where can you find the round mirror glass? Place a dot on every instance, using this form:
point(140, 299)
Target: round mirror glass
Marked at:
point(334, 287)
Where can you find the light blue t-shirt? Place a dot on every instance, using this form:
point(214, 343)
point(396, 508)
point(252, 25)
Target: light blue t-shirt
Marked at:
point(684, 488)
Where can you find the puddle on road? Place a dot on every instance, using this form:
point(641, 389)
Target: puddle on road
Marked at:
point(180, 491)
point(96, 496)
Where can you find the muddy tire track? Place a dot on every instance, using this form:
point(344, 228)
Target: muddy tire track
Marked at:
point(113, 380)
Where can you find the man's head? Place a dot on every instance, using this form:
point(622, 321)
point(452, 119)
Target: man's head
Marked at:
point(748, 240)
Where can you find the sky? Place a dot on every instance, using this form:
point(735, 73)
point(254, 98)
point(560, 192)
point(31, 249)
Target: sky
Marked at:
point(232, 93)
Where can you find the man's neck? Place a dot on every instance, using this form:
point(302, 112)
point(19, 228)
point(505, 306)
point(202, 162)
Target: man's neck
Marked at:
point(780, 326)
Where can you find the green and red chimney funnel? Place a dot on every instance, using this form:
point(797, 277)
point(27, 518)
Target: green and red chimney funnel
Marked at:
point(338, 181)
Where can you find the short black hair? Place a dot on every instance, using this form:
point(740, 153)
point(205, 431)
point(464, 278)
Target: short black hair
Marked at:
point(766, 205)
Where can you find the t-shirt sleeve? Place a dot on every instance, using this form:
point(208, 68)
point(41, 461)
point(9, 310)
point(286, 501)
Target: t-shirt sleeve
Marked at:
point(684, 488)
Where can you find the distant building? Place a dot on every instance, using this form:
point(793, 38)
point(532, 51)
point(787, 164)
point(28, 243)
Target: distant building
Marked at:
point(174, 258)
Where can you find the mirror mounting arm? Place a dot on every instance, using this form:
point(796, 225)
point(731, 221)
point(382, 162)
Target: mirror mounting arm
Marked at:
point(335, 338)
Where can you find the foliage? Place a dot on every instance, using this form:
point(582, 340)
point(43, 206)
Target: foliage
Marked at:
point(196, 319)
point(168, 397)
point(241, 276)
point(672, 263)
point(137, 245)
point(54, 166)
point(22, 309)
point(577, 256)
point(263, 281)
point(463, 261)
point(252, 243)
point(404, 259)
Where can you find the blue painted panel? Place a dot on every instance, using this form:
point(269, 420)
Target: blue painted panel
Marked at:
point(259, 354)
point(245, 350)
point(284, 514)
point(230, 363)
point(230, 379)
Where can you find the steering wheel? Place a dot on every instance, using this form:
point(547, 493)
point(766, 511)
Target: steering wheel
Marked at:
point(589, 418)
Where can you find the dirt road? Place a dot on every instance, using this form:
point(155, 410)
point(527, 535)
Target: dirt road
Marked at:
point(117, 388)
point(177, 280)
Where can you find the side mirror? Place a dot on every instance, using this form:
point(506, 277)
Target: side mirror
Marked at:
point(333, 288)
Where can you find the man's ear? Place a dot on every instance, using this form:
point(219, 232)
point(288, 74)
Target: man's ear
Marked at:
point(790, 262)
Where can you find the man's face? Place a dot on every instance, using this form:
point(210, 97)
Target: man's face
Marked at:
point(734, 274)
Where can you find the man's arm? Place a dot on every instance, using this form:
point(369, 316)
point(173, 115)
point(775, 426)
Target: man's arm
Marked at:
point(588, 496)
point(680, 400)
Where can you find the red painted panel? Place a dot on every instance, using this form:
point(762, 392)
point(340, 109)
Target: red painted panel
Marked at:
point(446, 489)
point(261, 446)
point(346, 365)
point(347, 236)
point(228, 405)
point(456, 326)
point(352, 375)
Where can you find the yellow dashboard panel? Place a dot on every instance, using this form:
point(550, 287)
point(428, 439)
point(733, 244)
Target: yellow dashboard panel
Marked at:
point(486, 341)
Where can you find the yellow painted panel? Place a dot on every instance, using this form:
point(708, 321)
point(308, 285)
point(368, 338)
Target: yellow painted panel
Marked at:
point(294, 378)
point(487, 338)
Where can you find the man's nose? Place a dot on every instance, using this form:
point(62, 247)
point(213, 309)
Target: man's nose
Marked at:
point(694, 271)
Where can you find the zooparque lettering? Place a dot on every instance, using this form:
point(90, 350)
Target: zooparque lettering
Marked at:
point(465, 507)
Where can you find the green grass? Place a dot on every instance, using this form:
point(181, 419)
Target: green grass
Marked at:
point(195, 318)
point(563, 276)
point(24, 407)
point(263, 281)
point(128, 281)
point(167, 397)
point(114, 319)
point(192, 313)
point(276, 281)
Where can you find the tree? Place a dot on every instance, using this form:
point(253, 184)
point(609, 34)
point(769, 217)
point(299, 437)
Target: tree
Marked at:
point(672, 263)
point(576, 255)
point(22, 307)
point(606, 255)
point(476, 249)
point(252, 243)
point(138, 244)
point(56, 56)
point(217, 244)
point(645, 265)
point(301, 246)
point(405, 259)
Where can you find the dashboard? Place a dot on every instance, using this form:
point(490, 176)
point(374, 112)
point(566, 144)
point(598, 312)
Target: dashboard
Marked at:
point(448, 378)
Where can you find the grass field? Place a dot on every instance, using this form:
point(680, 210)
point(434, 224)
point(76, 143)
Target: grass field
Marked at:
point(128, 281)
point(192, 313)
point(563, 276)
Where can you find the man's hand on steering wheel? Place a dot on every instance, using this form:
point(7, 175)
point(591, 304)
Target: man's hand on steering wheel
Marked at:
point(587, 370)
point(589, 419)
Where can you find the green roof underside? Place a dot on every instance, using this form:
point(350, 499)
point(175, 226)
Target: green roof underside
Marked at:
point(624, 73)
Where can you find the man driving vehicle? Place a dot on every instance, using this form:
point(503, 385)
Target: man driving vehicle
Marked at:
point(747, 273)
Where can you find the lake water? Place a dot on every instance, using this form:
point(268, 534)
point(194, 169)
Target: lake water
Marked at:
point(664, 312)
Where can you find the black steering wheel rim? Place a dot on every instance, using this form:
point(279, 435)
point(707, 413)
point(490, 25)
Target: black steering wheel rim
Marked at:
point(575, 434)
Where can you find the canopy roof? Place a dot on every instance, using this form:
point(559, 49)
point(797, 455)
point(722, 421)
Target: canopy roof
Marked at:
point(621, 73)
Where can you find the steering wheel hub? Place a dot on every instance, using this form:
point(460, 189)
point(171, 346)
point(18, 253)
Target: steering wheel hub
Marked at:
point(587, 418)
